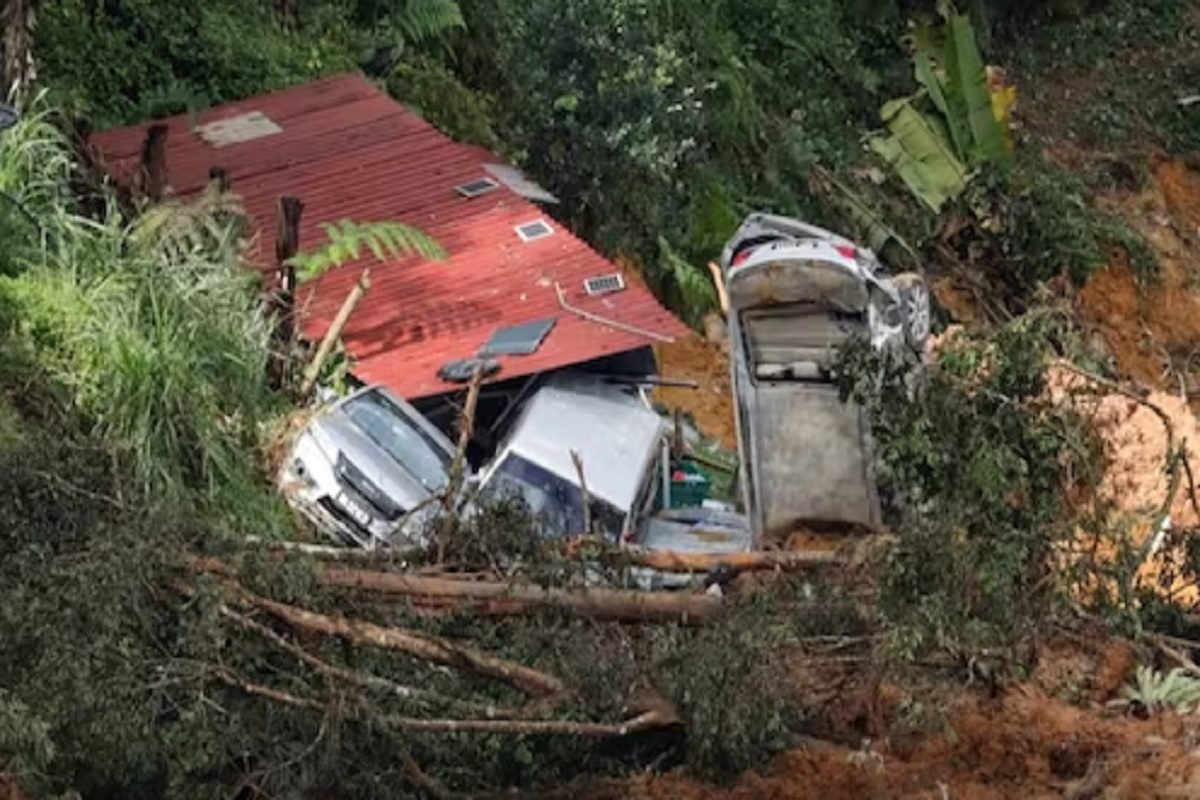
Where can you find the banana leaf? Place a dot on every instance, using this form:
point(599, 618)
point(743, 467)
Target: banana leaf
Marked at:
point(968, 94)
point(920, 155)
point(960, 132)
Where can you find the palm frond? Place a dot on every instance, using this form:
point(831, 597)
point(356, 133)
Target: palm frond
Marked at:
point(348, 239)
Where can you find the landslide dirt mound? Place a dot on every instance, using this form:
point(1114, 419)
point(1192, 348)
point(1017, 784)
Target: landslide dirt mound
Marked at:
point(1152, 331)
point(1024, 745)
point(711, 405)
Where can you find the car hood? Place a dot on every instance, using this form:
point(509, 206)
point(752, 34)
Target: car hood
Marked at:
point(336, 434)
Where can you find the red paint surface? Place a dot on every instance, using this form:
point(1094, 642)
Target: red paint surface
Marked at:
point(351, 152)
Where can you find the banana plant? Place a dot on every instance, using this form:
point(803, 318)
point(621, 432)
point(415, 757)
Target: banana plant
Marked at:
point(937, 138)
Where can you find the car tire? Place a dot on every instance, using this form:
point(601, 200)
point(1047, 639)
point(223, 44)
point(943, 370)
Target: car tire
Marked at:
point(917, 308)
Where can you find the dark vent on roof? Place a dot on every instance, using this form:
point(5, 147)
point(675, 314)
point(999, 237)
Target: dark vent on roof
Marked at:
point(604, 284)
point(477, 187)
point(537, 229)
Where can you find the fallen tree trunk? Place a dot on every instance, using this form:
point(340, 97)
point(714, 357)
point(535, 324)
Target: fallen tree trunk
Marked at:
point(627, 605)
point(670, 561)
point(612, 604)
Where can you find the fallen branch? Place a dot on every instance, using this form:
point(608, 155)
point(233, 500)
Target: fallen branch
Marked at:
point(420, 779)
point(333, 552)
point(613, 604)
point(427, 648)
point(585, 498)
point(313, 371)
point(352, 676)
point(643, 722)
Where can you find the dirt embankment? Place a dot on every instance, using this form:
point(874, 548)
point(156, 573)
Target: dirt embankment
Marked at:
point(711, 405)
point(1029, 743)
point(1153, 331)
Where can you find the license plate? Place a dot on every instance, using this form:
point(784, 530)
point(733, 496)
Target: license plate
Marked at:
point(360, 514)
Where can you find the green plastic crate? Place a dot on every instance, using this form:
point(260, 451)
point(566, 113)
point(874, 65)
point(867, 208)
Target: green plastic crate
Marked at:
point(690, 487)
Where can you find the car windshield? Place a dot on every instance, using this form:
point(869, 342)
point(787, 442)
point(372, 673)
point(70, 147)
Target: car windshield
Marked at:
point(388, 426)
point(556, 503)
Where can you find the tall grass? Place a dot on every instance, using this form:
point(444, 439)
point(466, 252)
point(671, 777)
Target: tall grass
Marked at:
point(153, 326)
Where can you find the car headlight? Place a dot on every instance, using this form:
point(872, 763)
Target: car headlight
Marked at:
point(300, 472)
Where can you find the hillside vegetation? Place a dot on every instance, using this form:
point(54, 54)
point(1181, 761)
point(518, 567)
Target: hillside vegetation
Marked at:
point(153, 646)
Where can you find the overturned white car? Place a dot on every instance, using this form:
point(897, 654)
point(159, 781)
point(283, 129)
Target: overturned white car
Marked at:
point(796, 293)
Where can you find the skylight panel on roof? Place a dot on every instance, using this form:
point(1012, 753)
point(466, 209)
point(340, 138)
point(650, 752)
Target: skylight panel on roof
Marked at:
point(242, 128)
point(515, 180)
point(604, 284)
point(538, 229)
point(518, 340)
point(477, 187)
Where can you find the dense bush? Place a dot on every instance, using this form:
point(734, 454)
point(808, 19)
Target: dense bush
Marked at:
point(976, 459)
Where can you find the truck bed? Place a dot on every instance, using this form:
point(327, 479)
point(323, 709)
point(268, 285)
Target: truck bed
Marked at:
point(812, 453)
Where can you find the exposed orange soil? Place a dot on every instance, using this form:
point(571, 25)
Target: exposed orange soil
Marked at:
point(1027, 743)
point(8, 789)
point(1153, 332)
point(703, 359)
point(711, 405)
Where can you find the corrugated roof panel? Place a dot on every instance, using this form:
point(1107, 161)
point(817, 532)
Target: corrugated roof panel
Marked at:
point(350, 152)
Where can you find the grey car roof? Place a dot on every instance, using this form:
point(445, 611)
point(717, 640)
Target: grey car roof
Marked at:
point(615, 435)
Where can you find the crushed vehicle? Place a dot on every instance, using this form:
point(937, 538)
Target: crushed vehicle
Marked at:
point(367, 468)
point(795, 293)
point(624, 450)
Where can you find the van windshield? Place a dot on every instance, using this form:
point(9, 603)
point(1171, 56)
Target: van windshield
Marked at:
point(556, 503)
point(388, 426)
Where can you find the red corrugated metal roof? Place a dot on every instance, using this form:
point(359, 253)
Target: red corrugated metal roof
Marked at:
point(351, 152)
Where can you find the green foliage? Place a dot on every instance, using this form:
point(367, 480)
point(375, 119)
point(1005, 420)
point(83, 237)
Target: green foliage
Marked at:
point(1175, 691)
point(918, 153)
point(347, 239)
point(154, 327)
point(422, 20)
point(967, 97)
point(433, 91)
point(975, 459)
point(935, 155)
point(716, 683)
point(122, 59)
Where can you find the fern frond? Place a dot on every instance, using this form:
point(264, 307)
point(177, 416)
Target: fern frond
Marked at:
point(347, 238)
point(426, 19)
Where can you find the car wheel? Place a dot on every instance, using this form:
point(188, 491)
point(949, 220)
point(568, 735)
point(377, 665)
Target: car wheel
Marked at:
point(917, 308)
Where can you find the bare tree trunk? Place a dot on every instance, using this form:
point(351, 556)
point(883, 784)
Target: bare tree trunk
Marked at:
point(19, 19)
point(152, 170)
point(287, 244)
point(313, 371)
